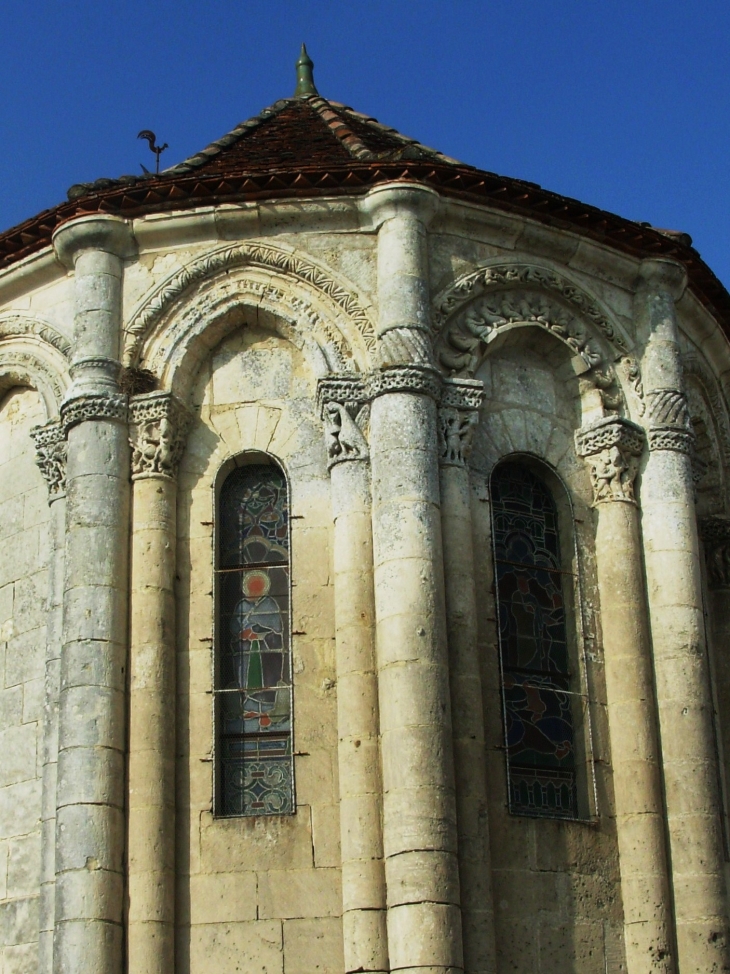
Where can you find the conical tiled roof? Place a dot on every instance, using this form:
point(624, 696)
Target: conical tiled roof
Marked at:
point(308, 146)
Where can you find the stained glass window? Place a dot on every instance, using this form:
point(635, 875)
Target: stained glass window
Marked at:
point(253, 683)
point(533, 589)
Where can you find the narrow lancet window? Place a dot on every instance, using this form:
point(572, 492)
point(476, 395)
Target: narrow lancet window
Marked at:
point(533, 591)
point(253, 685)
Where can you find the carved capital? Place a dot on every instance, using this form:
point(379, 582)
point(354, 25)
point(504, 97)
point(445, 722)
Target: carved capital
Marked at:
point(612, 447)
point(345, 409)
point(50, 448)
point(458, 417)
point(419, 379)
point(159, 424)
point(93, 407)
point(715, 534)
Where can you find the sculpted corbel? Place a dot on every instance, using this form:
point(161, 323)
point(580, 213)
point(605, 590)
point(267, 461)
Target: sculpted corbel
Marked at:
point(159, 424)
point(612, 447)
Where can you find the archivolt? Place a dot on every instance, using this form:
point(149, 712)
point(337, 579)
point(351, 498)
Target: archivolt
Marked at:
point(480, 306)
point(312, 292)
point(27, 363)
point(694, 367)
point(15, 323)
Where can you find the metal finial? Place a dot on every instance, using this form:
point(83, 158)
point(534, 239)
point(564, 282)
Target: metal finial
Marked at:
point(305, 76)
point(157, 149)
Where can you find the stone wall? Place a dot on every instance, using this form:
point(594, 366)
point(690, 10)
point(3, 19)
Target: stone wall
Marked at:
point(258, 893)
point(24, 516)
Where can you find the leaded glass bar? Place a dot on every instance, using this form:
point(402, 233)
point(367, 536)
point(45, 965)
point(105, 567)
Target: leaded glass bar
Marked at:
point(532, 588)
point(253, 660)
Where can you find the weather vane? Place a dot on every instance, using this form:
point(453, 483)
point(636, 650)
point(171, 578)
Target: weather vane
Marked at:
point(157, 149)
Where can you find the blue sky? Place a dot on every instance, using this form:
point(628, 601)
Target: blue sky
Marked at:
point(621, 103)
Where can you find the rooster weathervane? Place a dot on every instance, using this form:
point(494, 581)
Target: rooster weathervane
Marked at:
point(157, 149)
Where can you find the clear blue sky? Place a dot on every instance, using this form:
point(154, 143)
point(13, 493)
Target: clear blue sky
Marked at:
point(620, 103)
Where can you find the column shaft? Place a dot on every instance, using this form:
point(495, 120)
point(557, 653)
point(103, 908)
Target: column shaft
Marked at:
point(677, 627)
point(363, 876)
point(475, 867)
point(51, 458)
point(92, 740)
point(151, 823)
point(424, 922)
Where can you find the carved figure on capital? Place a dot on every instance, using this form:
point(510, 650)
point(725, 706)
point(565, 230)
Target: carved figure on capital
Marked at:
point(159, 424)
point(458, 418)
point(612, 447)
point(715, 533)
point(50, 448)
point(345, 410)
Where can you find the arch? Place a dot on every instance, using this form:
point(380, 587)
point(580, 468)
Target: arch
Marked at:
point(279, 280)
point(15, 323)
point(253, 666)
point(696, 368)
point(35, 364)
point(481, 306)
point(538, 640)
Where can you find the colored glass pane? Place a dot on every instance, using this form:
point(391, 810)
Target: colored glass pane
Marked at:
point(253, 684)
point(536, 679)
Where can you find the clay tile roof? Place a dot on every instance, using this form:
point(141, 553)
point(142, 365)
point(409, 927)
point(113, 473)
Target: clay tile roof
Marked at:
point(309, 146)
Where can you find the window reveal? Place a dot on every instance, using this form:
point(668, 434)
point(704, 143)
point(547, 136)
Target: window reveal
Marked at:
point(253, 667)
point(532, 589)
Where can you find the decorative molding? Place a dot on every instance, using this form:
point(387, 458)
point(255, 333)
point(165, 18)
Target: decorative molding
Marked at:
point(50, 448)
point(94, 407)
point(612, 447)
point(253, 254)
point(668, 421)
point(99, 364)
point(405, 346)
point(159, 425)
point(419, 379)
point(667, 407)
point(14, 325)
point(462, 393)
point(680, 441)
point(715, 533)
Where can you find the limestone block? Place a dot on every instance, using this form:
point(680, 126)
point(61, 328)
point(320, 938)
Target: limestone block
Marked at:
point(571, 947)
point(24, 657)
point(19, 921)
point(94, 717)
point(272, 842)
point(93, 663)
point(11, 705)
point(220, 898)
point(289, 893)
point(414, 693)
point(422, 934)
point(19, 807)
point(357, 835)
point(315, 777)
point(18, 747)
point(91, 838)
point(420, 818)
point(90, 894)
point(23, 865)
point(11, 515)
point(407, 753)
point(91, 775)
point(238, 948)
point(75, 938)
point(526, 894)
point(20, 959)
point(33, 691)
point(313, 946)
point(326, 835)
point(421, 876)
